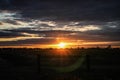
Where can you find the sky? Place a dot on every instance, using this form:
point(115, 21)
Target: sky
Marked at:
point(44, 23)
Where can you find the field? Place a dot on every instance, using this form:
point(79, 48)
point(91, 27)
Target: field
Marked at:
point(60, 64)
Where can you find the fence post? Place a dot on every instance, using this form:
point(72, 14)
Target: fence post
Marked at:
point(38, 63)
point(88, 62)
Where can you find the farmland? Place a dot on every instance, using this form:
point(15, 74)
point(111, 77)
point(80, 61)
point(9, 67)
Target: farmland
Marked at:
point(59, 64)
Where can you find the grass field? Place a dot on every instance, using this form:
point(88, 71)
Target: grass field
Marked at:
point(60, 64)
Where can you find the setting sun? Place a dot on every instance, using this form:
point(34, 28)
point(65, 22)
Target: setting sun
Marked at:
point(62, 45)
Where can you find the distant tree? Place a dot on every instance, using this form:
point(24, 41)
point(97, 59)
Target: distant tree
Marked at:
point(82, 48)
point(109, 47)
point(98, 47)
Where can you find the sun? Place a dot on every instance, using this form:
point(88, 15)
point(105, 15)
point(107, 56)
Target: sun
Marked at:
point(62, 45)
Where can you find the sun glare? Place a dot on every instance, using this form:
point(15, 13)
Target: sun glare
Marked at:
point(62, 45)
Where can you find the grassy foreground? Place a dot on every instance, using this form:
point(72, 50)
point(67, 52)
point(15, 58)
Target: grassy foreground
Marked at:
point(59, 64)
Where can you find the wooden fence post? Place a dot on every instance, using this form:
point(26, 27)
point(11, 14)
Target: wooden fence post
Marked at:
point(38, 63)
point(88, 62)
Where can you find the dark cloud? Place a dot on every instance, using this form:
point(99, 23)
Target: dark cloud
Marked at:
point(9, 34)
point(51, 36)
point(28, 42)
point(107, 34)
point(13, 22)
point(67, 10)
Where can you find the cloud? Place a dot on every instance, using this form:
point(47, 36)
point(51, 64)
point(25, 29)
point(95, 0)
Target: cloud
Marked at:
point(8, 26)
point(66, 10)
point(27, 42)
point(96, 28)
point(11, 34)
point(27, 22)
point(4, 15)
point(8, 34)
point(11, 20)
point(89, 10)
point(81, 28)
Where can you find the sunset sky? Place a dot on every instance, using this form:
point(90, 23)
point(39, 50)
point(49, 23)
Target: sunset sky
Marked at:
point(46, 23)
